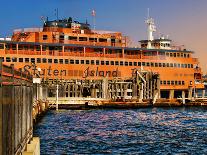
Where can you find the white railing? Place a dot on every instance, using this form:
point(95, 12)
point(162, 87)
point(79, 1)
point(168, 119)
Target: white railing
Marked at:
point(28, 30)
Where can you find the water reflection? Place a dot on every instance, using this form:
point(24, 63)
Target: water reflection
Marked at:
point(142, 131)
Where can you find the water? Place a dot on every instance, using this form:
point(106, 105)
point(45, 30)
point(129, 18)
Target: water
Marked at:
point(142, 131)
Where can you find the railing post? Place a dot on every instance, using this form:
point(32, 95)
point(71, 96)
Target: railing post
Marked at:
point(57, 98)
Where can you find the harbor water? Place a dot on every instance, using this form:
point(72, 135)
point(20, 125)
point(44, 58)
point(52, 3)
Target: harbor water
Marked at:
point(140, 131)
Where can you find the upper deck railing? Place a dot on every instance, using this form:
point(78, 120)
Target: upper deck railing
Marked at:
point(28, 30)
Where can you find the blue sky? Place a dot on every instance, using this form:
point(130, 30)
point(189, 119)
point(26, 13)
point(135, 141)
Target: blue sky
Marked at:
point(185, 21)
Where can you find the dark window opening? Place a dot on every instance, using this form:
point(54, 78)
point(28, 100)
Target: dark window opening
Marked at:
point(44, 60)
point(20, 59)
point(61, 61)
point(44, 37)
point(8, 59)
point(66, 61)
point(26, 60)
point(82, 61)
point(76, 61)
point(71, 61)
point(55, 61)
point(14, 59)
point(49, 60)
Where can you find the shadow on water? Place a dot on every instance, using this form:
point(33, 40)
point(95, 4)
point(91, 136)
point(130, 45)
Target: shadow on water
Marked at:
point(141, 131)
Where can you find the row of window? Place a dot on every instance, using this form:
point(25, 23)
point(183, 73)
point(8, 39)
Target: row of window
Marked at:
point(168, 54)
point(75, 38)
point(81, 49)
point(96, 62)
point(172, 82)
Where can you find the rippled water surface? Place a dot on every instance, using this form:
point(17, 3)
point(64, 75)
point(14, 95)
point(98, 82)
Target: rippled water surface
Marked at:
point(141, 131)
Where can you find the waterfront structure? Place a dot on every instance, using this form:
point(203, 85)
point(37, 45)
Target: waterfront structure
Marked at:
point(70, 51)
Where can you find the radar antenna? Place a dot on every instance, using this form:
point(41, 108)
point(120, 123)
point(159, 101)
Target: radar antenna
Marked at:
point(150, 28)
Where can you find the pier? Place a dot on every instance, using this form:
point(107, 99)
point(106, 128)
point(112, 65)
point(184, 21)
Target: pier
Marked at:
point(16, 121)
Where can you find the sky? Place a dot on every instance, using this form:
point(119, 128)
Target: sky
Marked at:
point(184, 21)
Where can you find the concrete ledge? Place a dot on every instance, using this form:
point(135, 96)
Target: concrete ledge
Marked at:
point(33, 148)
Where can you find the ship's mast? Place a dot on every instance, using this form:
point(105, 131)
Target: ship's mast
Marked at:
point(150, 29)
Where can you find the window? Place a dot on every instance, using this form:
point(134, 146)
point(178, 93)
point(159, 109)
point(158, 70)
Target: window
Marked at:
point(174, 54)
point(126, 63)
point(178, 54)
point(7, 46)
point(176, 82)
point(87, 62)
point(130, 63)
point(93, 39)
point(44, 37)
point(168, 65)
point(112, 62)
point(44, 60)
point(161, 82)
point(168, 82)
point(8, 59)
point(37, 48)
point(164, 65)
point(14, 59)
point(71, 61)
point(183, 83)
point(116, 63)
point(72, 38)
point(2, 59)
point(107, 62)
point(55, 61)
point(179, 82)
point(156, 64)
point(171, 64)
point(152, 64)
point(49, 60)
point(38, 60)
point(102, 40)
point(20, 59)
point(76, 61)
point(83, 38)
point(164, 82)
point(172, 82)
point(175, 65)
point(148, 64)
point(26, 60)
point(61, 61)
point(135, 63)
point(97, 62)
point(188, 65)
point(121, 63)
point(44, 48)
point(178, 65)
point(102, 62)
point(33, 60)
point(160, 65)
point(82, 61)
point(143, 63)
point(1, 46)
point(92, 62)
point(14, 46)
point(66, 61)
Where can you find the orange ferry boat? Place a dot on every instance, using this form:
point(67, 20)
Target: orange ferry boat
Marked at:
point(68, 49)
